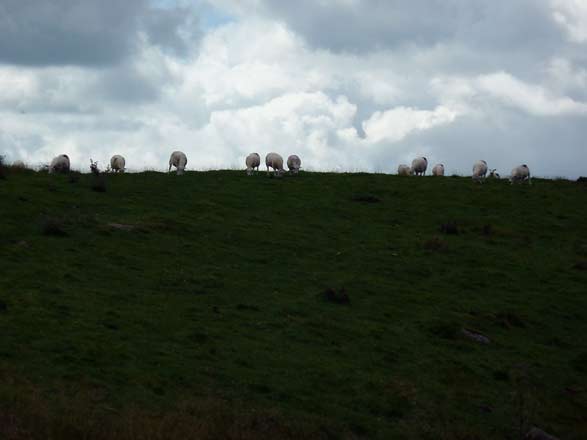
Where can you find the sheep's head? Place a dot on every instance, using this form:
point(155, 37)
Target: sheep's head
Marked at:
point(249, 171)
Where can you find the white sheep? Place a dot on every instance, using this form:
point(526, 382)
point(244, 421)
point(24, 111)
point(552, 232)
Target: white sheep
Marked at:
point(60, 164)
point(493, 174)
point(419, 166)
point(179, 161)
point(479, 170)
point(438, 170)
point(275, 161)
point(252, 161)
point(404, 170)
point(117, 163)
point(520, 174)
point(294, 163)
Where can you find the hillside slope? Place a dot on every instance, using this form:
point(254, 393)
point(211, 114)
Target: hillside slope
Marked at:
point(213, 285)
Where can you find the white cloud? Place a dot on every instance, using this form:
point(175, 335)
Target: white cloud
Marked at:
point(359, 99)
point(395, 124)
point(530, 98)
point(571, 15)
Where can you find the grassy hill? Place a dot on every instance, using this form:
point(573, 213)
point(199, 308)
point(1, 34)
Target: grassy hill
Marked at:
point(323, 305)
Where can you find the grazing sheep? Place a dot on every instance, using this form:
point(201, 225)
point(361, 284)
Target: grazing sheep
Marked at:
point(18, 164)
point(479, 170)
point(179, 161)
point(60, 164)
point(294, 163)
point(275, 161)
point(117, 163)
point(438, 170)
point(520, 174)
point(252, 161)
point(419, 166)
point(493, 174)
point(404, 170)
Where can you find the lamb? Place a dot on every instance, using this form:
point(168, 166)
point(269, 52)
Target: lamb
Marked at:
point(493, 174)
point(275, 161)
point(438, 170)
point(404, 170)
point(179, 160)
point(294, 163)
point(117, 163)
point(520, 174)
point(419, 166)
point(60, 164)
point(479, 170)
point(252, 161)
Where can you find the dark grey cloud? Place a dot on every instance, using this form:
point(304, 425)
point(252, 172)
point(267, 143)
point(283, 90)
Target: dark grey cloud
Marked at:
point(88, 33)
point(174, 29)
point(376, 24)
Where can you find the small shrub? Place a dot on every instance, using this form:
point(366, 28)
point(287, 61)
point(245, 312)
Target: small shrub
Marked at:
point(336, 296)
point(449, 228)
point(53, 227)
point(436, 244)
point(582, 179)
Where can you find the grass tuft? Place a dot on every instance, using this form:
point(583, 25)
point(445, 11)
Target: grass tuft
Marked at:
point(449, 228)
point(98, 183)
point(365, 198)
point(435, 244)
point(54, 227)
point(336, 296)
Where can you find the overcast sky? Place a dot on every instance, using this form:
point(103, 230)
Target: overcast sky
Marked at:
point(349, 85)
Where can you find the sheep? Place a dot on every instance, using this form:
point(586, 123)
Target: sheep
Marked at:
point(179, 161)
point(252, 161)
point(18, 164)
point(404, 170)
point(520, 174)
point(438, 170)
point(493, 174)
point(294, 163)
point(117, 163)
point(275, 161)
point(419, 166)
point(60, 164)
point(479, 170)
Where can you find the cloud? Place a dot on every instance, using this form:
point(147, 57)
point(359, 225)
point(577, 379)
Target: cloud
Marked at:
point(347, 85)
point(89, 33)
point(571, 15)
point(395, 124)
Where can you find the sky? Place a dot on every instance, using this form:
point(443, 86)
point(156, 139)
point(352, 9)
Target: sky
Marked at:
point(348, 85)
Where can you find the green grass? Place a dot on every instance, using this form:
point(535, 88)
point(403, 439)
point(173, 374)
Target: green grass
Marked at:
point(168, 289)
